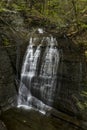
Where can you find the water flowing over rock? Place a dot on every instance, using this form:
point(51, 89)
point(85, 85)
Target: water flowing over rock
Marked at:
point(53, 79)
point(39, 74)
point(52, 74)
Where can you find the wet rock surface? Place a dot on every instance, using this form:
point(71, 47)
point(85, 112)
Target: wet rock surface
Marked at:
point(16, 119)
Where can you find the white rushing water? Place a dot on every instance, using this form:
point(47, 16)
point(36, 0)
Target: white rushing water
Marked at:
point(39, 75)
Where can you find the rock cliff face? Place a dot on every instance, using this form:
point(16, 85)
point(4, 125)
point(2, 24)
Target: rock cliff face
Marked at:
point(2, 126)
point(71, 75)
point(7, 86)
point(71, 94)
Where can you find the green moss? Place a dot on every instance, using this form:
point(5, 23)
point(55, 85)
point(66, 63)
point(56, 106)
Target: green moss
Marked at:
point(6, 42)
point(84, 93)
point(80, 105)
point(84, 25)
point(86, 53)
point(18, 7)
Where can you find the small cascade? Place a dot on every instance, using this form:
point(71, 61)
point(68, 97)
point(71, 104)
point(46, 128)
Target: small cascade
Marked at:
point(39, 74)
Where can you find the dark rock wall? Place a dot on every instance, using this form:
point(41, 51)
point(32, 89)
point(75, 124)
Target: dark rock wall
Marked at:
point(2, 126)
point(7, 86)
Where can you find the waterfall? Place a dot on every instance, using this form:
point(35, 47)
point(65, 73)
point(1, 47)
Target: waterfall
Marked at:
point(39, 74)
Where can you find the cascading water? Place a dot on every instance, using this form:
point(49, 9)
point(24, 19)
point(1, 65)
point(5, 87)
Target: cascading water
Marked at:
point(39, 74)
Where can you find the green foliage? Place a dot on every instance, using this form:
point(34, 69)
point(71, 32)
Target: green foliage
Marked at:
point(66, 13)
point(6, 41)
